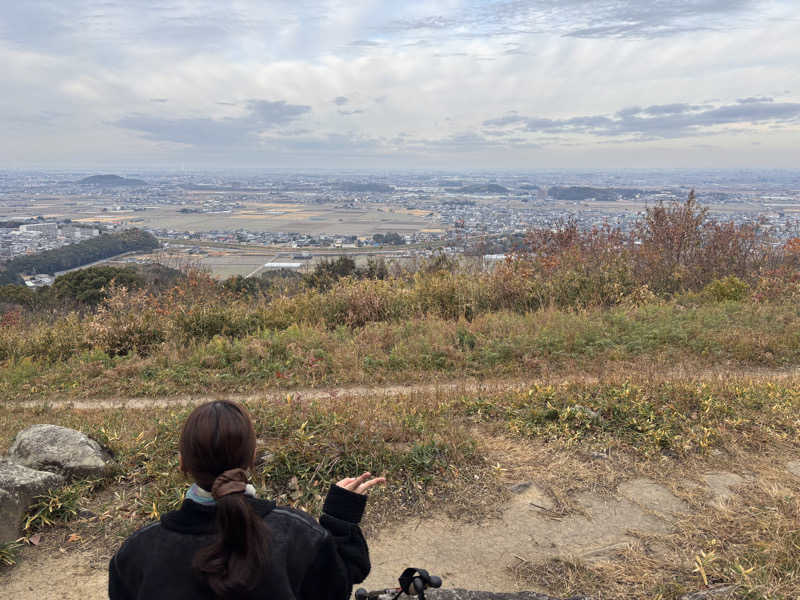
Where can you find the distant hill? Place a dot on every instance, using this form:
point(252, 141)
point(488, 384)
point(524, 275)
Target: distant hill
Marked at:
point(592, 193)
point(112, 181)
point(486, 188)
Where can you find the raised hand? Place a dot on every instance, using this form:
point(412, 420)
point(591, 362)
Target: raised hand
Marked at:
point(360, 484)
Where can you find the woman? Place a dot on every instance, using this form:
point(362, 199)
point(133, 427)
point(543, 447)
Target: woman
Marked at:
point(224, 543)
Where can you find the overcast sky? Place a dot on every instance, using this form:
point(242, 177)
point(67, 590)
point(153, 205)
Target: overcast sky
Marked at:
point(367, 83)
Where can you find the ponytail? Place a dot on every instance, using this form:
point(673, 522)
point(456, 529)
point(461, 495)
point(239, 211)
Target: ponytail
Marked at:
point(217, 444)
point(234, 562)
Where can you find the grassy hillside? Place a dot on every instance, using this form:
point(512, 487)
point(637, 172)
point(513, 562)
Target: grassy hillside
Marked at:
point(131, 348)
point(665, 353)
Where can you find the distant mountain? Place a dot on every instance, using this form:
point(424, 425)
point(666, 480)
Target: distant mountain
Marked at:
point(112, 181)
point(576, 192)
point(483, 188)
point(451, 184)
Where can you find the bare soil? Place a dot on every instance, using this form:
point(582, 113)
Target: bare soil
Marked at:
point(467, 386)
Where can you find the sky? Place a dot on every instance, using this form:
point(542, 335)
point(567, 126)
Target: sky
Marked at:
point(433, 84)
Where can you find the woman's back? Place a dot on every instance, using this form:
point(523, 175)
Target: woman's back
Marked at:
point(275, 552)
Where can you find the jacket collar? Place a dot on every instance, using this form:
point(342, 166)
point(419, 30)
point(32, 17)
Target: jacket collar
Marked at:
point(199, 519)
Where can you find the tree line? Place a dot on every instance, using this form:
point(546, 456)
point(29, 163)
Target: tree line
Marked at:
point(74, 255)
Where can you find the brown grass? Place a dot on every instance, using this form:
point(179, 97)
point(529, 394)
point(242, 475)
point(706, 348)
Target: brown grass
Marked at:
point(443, 457)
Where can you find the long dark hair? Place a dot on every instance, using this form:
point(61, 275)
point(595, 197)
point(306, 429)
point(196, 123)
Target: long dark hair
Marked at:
point(218, 437)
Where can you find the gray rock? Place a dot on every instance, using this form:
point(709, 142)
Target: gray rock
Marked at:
point(717, 592)
point(59, 450)
point(19, 485)
point(794, 467)
point(520, 487)
point(592, 414)
point(721, 483)
point(653, 496)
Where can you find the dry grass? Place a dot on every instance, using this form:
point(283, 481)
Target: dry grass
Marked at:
point(73, 358)
point(455, 451)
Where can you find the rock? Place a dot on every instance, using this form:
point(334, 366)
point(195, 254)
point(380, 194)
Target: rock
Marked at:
point(794, 467)
point(592, 414)
point(19, 485)
point(653, 496)
point(520, 487)
point(721, 482)
point(717, 592)
point(60, 450)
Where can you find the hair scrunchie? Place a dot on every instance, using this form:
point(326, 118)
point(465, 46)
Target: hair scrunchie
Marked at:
point(233, 481)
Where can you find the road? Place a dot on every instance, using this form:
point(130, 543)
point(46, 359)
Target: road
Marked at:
point(273, 259)
point(98, 262)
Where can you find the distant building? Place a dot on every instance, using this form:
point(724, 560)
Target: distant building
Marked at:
point(36, 281)
point(49, 228)
point(492, 260)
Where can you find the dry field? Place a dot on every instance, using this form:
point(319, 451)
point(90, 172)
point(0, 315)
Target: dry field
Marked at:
point(253, 216)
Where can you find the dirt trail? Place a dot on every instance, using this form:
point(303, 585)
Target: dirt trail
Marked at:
point(279, 394)
point(467, 386)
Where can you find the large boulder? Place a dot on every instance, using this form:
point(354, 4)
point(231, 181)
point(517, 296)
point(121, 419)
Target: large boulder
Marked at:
point(60, 450)
point(19, 485)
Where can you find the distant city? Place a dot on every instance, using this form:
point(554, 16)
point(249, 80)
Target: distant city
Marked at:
point(472, 213)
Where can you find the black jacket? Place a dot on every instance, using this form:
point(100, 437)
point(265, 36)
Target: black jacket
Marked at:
point(309, 560)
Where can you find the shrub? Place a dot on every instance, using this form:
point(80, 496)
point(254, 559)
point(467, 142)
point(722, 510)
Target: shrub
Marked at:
point(727, 288)
point(126, 322)
point(204, 321)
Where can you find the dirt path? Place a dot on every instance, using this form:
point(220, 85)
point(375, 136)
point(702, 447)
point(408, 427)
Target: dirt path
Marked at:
point(271, 395)
point(466, 386)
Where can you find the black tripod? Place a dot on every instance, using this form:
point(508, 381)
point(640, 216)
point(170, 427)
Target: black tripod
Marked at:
point(413, 582)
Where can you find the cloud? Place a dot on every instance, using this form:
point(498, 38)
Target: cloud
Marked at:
point(365, 43)
point(658, 121)
point(436, 22)
point(271, 114)
point(755, 100)
point(579, 71)
point(670, 109)
point(580, 18)
point(261, 115)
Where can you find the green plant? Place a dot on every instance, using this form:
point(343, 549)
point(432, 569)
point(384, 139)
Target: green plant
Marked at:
point(59, 505)
point(8, 553)
point(729, 288)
